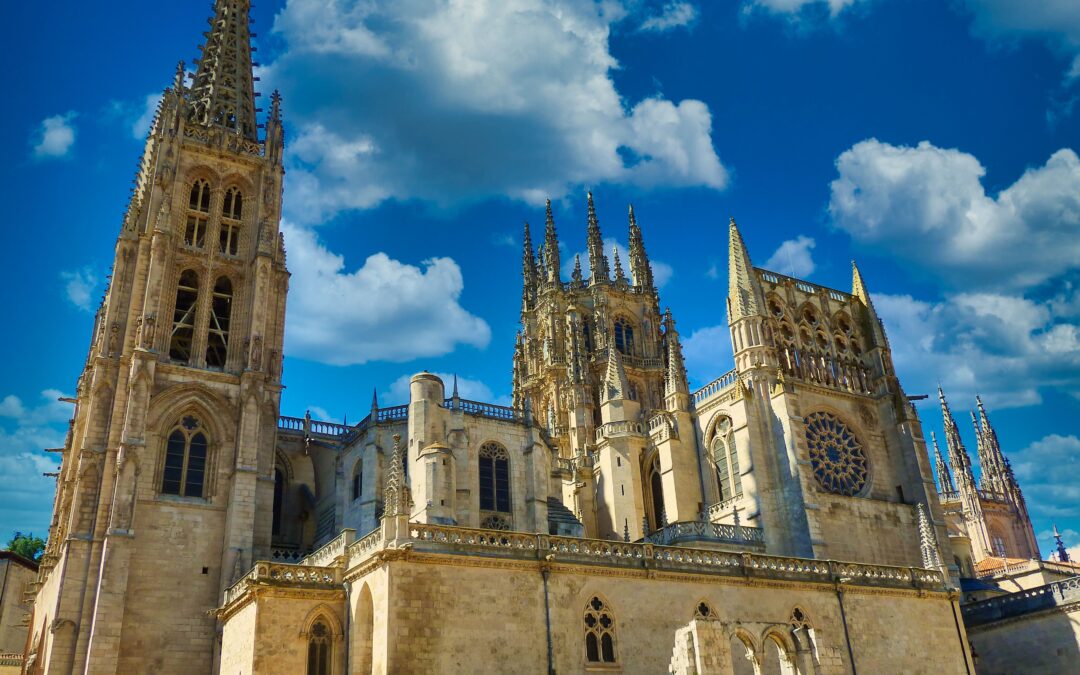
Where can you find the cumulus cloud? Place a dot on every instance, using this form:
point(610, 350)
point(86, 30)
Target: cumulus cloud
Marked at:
point(384, 311)
point(794, 257)
point(1005, 347)
point(1055, 21)
point(456, 101)
point(707, 352)
point(927, 206)
point(1053, 493)
point(79, 287)
point(25, 430)
point(675, 14)
point(468, 388)
point(54, 137)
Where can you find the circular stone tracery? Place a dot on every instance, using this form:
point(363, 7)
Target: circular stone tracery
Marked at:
point(836, 455)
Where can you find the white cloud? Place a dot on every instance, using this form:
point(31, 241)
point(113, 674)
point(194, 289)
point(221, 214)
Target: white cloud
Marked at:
point(55, 136)
point(927, 206)
point(140, 125)
point(24, 432)
point(468, 388)
point(1055, 21)
point(320, 413)
point(518, 101)
point(1007, 348)
point(662, 272)
point(707, 352)
point(793, 257)
point(796, 8)
point(384, 311)
point(675, 14)
point(79, 287)
point(1047, 471)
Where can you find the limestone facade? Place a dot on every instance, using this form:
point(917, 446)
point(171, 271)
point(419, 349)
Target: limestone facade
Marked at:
point(610, 519)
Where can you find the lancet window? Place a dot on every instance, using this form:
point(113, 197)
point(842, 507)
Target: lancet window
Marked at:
point(198, 214)
point(279, 501)
point(495, 485)
point(217, 339)
point(183, 331)
point(185, 459)
point(599, 633)
point(320, 641)
point(725, 458)
point(624, 336)
point(231, 213)
point(358, 480)
point(654, 488)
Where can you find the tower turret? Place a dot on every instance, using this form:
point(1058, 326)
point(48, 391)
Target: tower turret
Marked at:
point(640, 269)
point(552, 257)
point(528, 270)
point(944, 475)
point(676, 388)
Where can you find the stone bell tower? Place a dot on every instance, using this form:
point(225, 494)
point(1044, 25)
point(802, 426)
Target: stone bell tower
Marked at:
point(599, 366)
point(165, 491)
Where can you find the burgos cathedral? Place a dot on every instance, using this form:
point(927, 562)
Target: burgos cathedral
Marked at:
point(782, 519)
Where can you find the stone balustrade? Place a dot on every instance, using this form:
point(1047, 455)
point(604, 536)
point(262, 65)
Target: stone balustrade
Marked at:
point(624, 428)
point(1050, 596)
point(738, 535)
point(728, 379)
point(331, 550)
point(268, 573)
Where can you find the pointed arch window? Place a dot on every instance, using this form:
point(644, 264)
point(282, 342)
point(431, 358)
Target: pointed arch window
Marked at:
point(320, 641)
point(217, 339)
point(185, 459)
point(198, 214)
point(358, 480)
point(183, 331)
point(495, 486)
point(725, 457)
point(279, 499)
point(654, 488)
point(624, 336)
point(231, 213)
point(600, 647)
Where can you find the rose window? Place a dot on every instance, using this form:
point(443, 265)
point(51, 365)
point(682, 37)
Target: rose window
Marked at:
point(836, 455)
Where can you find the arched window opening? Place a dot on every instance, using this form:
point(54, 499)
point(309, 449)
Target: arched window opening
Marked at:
point(185, 459)
point(183, 332)
point(198, 214)
point(495, 485)
point(217, 339)
point(742, 657)
point(279, 499)
point(725, 458)
point(358, 480)
point(231, 212)
point(775, 658)
point(624, 336)
point(320, 640)
point(654, 487)
point(599, 633)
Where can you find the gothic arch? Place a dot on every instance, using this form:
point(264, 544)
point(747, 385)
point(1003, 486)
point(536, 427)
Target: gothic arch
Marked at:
point(777, 655)
point(744, 653)
point(200, 172)
point(363, 631)
point(328, 615)
point(703, 610)
point(210, 406)
point(240, 182)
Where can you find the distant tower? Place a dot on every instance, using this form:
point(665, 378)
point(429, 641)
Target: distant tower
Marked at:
point(1062, 552)
point(166, 490)
point(993, 510)
point(595, 361)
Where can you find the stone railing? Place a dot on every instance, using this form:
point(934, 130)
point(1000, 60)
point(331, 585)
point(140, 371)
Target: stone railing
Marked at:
point(629, 360)
point(364, 545)
point(290, 423)
point(804, 286)
point(949, 496)
point(737, 535)
point(489, 410)
point(624, 428)
point(221, 138)
point(465, 541)
point(11, 659)
point(720, 508)
point(564, 464)
point(994, 496)
point(269, 573)
point(310, 427)
point(287, 554)
point(726, 380)
point(395, 413)
point(1032, 600)
point(332, 550)
point(662, 427)
point(826, 369)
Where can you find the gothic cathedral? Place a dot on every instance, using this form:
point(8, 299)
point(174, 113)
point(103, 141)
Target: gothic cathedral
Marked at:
point(782, 519)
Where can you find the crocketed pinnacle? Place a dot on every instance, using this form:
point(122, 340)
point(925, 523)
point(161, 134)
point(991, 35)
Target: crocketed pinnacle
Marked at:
point(742, 290)
point(577, 276)
point(598, 262)
point(223, 93)
point(528, 266)
point(619, 274)
point(675, 377)
point(996, 473)
point(945, 480)
point(958, 455)
point(616, 386)
point(640, 269)
point(551, 247)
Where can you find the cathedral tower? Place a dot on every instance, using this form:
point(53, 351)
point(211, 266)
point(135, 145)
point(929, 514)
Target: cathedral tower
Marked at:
point(598, 366)
point(166, 488)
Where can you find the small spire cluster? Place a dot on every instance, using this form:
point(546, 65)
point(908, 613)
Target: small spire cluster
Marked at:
point(223, 91)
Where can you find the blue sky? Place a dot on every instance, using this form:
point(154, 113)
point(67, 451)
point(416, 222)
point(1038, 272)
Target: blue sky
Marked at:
point(933, 141)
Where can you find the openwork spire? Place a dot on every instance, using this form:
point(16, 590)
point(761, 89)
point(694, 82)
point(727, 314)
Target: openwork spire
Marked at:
point(616, 386)
point(928, 543)
point(619, 274)
point(640, 269)
point(223, 93)
point(528, 266)
point(944, 475)
point(675, 379)
point(1062, 552)
point(598, 262)
point(396, 502)
point(742, 290)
